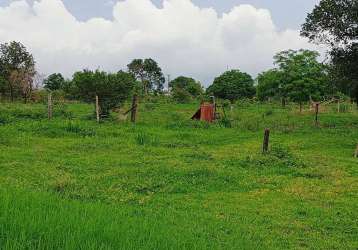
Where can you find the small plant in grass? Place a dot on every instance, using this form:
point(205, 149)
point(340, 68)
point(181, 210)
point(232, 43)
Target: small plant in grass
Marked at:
point(225, 122)
point(4, 119)
point(269, 112)
point(143, 139)
point(278, 156)
point(76, 128)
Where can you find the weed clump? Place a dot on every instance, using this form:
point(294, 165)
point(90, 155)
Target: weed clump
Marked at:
point(4, 119)
point(144, 139)
point(76, 128)
point(278, 156)
point(225, 122)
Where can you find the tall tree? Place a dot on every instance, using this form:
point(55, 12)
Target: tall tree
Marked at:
point(270, 85)
point(335, 23)
point(149, 73)
point(17, 66)
point(112, 89)
point(233, 85)
point(302, 76)
point(54, 82)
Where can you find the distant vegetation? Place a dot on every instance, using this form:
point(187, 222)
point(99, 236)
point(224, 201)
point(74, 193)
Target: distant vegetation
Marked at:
point(298, 77)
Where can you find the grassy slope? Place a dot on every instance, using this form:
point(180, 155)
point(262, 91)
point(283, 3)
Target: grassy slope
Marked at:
point(169, 183)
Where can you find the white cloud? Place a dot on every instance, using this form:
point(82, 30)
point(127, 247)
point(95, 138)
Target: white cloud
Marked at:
point(182, 37)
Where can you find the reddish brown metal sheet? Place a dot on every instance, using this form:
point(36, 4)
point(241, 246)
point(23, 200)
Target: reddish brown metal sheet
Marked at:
point(207, 112)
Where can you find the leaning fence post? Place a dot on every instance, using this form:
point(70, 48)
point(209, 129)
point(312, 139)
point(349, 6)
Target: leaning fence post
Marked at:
point(265, 145)
point(49, 106)
point(317, 111)
point(97, 108)
point(134, 109)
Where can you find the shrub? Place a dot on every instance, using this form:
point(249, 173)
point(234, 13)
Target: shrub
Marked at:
point(181, 95)
point(112, 89)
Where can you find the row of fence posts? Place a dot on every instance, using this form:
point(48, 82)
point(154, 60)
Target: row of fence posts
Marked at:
point(134, 108)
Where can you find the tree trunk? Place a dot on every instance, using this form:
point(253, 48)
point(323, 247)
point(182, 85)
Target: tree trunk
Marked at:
point(300, 107)
point(283, 102)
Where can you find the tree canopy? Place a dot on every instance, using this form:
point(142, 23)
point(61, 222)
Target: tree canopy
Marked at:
point(186, 84)
point(335, 23)
point(270, 85)
point(17, 67)
point(54, 82)
point(303, 77)
point(112, 89)
point(299, 76)
point(149, 73)
point(233, 85)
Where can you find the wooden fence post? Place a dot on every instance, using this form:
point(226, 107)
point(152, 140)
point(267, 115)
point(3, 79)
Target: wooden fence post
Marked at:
point(97, 108)
point(316, 111)
point(49, 106)
point(134, 109)
point(356, 152)
point(265, 145)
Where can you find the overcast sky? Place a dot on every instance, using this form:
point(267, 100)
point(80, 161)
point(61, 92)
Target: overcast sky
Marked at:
point(198, 38)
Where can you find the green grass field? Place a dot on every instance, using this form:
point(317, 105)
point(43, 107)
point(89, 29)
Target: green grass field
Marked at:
point(171, 183)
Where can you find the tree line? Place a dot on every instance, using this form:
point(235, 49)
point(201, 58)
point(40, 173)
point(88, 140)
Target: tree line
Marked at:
point(297, 76)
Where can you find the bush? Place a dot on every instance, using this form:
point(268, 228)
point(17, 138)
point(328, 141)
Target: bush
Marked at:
point(233, 85)
point(112, 89)
point(181, 96)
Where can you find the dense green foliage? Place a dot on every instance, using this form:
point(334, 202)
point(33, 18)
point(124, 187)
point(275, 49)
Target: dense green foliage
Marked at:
point(181, 95)
point(303, 76)
point(299, 76)
point(335, 23)
point(171, 183)
point(54, 82)
point(270, 85)
point(17, 68)
point(232, 85)
point(183, 89)
point(149, 74)
point(194, 88)
point(112, 89)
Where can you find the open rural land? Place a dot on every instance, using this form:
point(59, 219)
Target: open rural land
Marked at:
point(178, 124)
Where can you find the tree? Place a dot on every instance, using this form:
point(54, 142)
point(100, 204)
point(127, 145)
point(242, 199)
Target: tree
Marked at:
point(270, 85)
point(23, 82)
point(17, 66)
point(233, 85)
point(335, 23)
point(303, 77)
point(112, 89)
point(54, 82)
point(149, 73)
point(187, 84)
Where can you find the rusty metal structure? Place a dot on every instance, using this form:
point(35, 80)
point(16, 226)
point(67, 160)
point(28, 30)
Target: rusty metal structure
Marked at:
point(206, 113)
